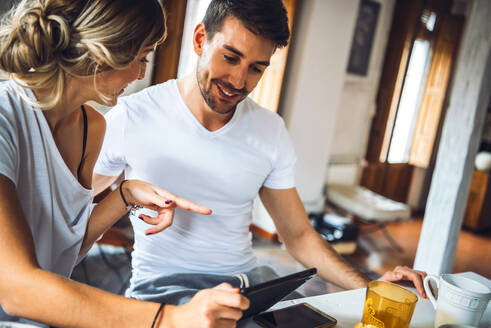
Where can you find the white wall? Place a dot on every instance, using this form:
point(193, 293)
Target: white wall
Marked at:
point(327, 111)
point(312, 92)
point(313, 88)
point(357, 107)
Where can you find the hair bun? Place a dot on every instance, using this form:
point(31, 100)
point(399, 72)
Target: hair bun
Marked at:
point(43, 42)
point(44, 34)
point(60, 32)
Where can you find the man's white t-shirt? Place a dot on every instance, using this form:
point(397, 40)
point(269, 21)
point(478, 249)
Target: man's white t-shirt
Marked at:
point(55, 205)
point(154, 137)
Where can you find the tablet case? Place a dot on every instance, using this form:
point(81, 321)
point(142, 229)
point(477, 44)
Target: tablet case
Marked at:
point(266, 294)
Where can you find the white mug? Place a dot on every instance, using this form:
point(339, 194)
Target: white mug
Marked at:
point(460, 299)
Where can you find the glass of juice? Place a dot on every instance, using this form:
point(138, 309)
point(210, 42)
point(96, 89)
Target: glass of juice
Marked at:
point(387, 306)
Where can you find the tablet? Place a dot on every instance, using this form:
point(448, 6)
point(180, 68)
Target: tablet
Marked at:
point(300, 315)
point(266, 294)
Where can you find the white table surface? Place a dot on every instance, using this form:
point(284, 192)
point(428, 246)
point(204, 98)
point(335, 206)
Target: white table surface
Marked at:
point(346, 307)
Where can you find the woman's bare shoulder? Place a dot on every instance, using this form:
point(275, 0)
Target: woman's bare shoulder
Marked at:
point(95, 119)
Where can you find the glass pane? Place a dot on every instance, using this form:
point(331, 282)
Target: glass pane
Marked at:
point(407, 114)
point(429, 19)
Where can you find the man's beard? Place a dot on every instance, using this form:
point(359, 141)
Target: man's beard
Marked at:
point(209, 99)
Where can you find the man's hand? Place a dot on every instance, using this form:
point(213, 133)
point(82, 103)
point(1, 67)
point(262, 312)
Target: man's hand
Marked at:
point(163, 202)
point(219, 307)
point(405, 273)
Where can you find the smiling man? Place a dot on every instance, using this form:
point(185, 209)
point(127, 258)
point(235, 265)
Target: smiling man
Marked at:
point(202, 138)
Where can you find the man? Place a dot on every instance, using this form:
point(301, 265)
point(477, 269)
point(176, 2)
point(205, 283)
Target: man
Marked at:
point(202, 138)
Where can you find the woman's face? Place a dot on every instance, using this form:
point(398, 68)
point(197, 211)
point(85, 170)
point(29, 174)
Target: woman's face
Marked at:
point(112, 83)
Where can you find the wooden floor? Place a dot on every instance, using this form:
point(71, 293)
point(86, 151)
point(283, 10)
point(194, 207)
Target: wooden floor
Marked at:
point(375, 252)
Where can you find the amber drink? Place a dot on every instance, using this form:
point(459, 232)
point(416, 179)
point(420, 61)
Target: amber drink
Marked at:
point(387, 306)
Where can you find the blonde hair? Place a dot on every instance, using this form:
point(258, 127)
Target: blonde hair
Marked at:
point(44, 41)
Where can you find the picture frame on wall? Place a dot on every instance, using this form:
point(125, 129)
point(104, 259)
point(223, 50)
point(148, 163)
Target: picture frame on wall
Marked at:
point(361, 46)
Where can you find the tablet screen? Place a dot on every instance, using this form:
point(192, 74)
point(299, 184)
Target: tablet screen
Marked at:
point(300, 315)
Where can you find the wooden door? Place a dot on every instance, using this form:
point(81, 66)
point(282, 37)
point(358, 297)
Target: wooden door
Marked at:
point(394, 180)
point(437, 84)
point(389, 180)
point(401, 38)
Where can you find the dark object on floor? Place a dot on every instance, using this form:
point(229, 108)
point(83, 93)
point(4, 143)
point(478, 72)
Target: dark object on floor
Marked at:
point(339, 231)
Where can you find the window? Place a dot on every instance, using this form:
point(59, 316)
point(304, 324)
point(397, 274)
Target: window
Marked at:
point(407, 113)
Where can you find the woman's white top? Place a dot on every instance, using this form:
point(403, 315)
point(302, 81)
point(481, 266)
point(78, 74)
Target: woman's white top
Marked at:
point(55, 205)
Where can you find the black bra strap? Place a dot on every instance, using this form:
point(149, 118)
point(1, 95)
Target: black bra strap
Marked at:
point(84, 113)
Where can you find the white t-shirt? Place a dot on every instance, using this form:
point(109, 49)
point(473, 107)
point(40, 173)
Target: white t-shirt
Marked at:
point(55, 205)
point(154, 137)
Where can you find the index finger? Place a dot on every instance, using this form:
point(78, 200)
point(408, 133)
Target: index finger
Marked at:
point(183, 203)
point(190, 206)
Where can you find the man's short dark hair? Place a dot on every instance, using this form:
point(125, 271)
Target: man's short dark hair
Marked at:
point(268, 18)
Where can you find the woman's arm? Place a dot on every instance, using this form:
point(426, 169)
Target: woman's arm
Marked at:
point(30, 292)
point(136, 192)
point(104, 215)
point(102, 182)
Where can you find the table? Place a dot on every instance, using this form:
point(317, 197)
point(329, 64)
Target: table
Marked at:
point(347, 307)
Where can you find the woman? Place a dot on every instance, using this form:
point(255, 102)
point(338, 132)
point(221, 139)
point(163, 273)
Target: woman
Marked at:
point(61, 54)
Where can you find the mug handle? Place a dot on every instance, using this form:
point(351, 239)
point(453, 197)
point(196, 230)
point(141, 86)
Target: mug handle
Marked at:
point(428, 289)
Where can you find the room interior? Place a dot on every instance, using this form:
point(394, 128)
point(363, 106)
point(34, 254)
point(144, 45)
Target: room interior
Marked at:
point(365, 88)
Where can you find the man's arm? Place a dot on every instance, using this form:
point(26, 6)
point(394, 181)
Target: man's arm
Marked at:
point(307, 247)
point(303, 242)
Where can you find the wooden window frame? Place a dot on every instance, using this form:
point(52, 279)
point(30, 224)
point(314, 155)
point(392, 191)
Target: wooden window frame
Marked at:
point(268, 91)
point(168, 53)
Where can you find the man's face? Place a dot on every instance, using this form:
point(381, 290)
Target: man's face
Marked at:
point(230, 64)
